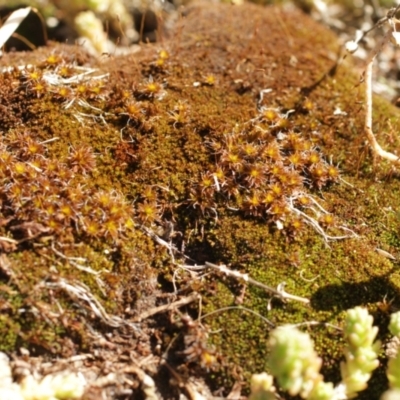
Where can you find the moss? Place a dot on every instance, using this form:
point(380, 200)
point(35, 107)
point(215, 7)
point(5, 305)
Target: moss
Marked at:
point(143, 151)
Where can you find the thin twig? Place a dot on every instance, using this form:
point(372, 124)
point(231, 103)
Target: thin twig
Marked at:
point(377, 149)
point(240, 308)
point(316, 323)
point(279, 291)
point(166, 307)
point(314, 223)
point(79, 293)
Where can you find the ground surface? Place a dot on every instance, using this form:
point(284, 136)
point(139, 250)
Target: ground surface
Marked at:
point(235, 141)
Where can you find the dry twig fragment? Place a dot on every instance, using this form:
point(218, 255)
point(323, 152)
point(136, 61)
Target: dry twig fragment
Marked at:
point(376, 148)
point(279, 292)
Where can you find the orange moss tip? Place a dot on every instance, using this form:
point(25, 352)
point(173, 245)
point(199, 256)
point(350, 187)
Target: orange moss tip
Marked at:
point(270, 115)
point(207, 181)
point(134, 110)
point(160, 62)
point(296, 224)
point(269, 197)
point(39, 88)
point(210, 80)
point(318, 175)
point(272, 151)
point(52, 60)
point(63, 93)
point(313, 158)
point(219, 173)
point(91, 226)
point(308, 105)
point(151, 90)
point(296, 160)
point(249, 150)
point(327, 220)
point(282, 123)
point(294, 179)
point(97, 88)
point(66, 71)
point(252, 204)
point(276, 189)
point(163, 56)
point(303, 201)
point(232, 159)
point(180, 113)
point(208, 360)
point(66, 209)
point(32, 75)
point(333, 172)
point(255, 174)
point(273, 118)
point(81, 159)
point(149, 194)
point(278, 209)
point(294, 227)
point(147, 212)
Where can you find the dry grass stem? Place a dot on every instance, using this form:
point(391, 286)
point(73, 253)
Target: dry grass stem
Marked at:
point(12, 23)
point(167, 307)
point(279, 291)
point(376, 148)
